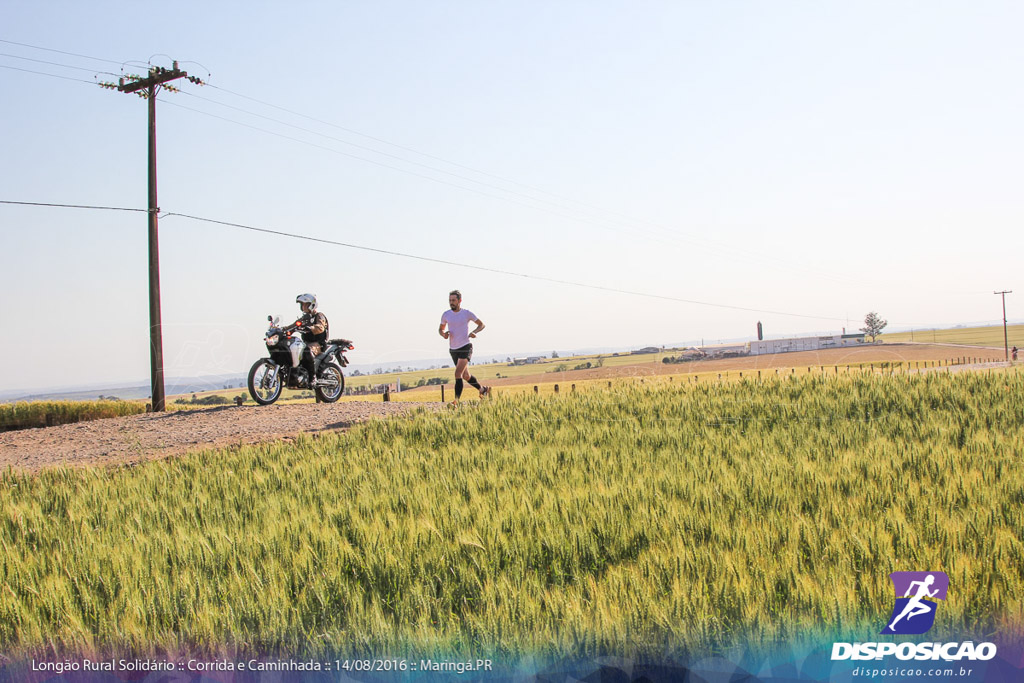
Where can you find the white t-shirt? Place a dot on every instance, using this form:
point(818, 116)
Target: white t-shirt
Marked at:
point(458, 326)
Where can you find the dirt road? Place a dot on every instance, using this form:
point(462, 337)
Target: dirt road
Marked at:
point(137, 438)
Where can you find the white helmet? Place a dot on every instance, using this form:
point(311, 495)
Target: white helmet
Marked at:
point(306, 299)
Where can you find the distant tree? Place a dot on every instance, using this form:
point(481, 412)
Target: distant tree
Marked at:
point(554, 354)
point(873, 325)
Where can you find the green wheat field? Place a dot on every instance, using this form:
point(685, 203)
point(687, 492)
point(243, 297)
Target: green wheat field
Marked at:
point(25, 414)
point(635, 520)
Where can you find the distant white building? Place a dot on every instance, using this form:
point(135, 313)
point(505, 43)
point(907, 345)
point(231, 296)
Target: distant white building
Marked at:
point(834, 341)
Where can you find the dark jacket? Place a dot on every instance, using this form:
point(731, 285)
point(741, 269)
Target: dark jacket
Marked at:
point(314, 328)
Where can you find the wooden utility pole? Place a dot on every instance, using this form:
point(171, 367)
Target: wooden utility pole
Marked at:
point(1006, 340)
point(147, 89)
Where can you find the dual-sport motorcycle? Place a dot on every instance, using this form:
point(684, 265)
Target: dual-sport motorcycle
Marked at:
point(283, 369)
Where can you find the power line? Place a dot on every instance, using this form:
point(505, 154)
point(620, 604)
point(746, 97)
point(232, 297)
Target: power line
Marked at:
point(62, 52)
point(66, 66)
point(430, 259)
point(74, 206)
point(493, 270)
point(43, 73)
point(731, 251)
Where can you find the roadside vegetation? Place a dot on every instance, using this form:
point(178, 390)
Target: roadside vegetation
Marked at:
point(29, 414)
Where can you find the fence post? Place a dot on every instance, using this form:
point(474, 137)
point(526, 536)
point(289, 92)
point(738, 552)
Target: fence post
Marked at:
point(442, 393)
point(535, 389)
point(556, 388)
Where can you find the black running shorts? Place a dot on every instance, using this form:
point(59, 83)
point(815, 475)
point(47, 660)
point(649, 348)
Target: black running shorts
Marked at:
point(462, 352)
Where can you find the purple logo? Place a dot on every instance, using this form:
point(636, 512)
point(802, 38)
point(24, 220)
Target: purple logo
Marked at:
point(916, 596)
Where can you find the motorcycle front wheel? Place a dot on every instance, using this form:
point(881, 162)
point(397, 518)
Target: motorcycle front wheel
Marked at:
point(265, 385)
point(330, 372)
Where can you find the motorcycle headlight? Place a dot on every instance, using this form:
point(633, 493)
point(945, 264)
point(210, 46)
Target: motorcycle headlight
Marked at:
point(272, 340)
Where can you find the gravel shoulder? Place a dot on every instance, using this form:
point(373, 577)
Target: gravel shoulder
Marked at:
point(137, 438)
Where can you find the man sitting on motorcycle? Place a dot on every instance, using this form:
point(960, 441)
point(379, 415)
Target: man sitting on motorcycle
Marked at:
point(313, 325)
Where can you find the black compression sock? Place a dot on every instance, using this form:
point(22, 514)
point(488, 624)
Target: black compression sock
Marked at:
point(473, 383)
point(458, 389)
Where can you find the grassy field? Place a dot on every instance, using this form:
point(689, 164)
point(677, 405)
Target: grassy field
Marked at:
point(972, 336)
point(557, 383)
point(641, 519)
point(24, 414)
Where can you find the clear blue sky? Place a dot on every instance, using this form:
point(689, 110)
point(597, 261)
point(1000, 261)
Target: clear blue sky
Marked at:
point(824, 159)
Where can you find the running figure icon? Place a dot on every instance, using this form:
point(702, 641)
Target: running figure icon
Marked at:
point(916, 605)
point(917, 596)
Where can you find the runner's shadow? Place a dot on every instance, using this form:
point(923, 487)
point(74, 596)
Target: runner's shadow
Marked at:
point(335, 425)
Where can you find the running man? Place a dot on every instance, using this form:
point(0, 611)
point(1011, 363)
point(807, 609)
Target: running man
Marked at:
point(458, 335)
point(916, 605)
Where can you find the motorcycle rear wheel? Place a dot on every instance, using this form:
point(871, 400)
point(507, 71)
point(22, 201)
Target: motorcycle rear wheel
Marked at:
point(330, 394)
point(264, 395)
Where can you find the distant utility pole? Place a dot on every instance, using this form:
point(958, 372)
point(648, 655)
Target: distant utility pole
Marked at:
point(146, 88)
point(1006, 342)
